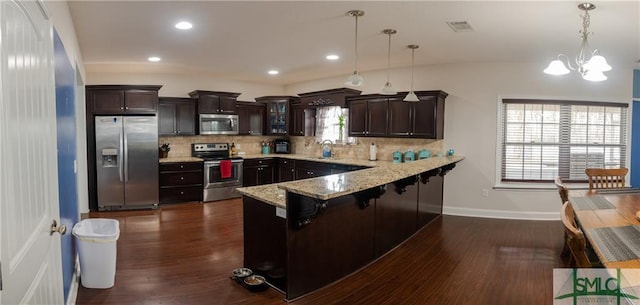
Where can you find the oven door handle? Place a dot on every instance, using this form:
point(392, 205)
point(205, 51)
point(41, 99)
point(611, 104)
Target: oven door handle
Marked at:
point(217, 162)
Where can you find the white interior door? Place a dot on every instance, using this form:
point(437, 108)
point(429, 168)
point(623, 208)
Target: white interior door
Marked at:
point(29, 254)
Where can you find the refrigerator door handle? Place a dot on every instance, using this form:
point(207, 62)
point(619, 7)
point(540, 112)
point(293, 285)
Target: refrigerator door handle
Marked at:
point(126, 154)
point(121, 156)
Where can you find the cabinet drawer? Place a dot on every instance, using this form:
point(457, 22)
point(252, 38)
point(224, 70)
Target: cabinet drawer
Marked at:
point(184, 166)
point(180, 194)
point(287, 163)
point(180, 178)
point(259, 162)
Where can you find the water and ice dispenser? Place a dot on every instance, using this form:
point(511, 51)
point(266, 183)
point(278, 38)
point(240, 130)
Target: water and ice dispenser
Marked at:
point(109, 157)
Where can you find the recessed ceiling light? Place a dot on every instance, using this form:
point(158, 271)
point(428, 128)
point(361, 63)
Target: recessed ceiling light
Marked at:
point(154, 59)
point(183, 25)
point(333, 57)
point(273, 72)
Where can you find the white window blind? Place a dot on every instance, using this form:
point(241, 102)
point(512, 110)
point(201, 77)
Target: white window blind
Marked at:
point(543, 139)
point(328, 124)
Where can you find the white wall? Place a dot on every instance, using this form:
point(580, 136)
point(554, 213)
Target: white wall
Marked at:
point(471, 122)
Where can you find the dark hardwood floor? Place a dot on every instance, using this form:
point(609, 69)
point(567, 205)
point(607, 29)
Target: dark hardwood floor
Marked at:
point(184, 254)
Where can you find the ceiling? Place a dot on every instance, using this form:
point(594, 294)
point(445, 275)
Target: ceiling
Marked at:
point(242, 40)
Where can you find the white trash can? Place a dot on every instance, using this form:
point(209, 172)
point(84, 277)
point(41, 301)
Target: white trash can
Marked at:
point(96, 243)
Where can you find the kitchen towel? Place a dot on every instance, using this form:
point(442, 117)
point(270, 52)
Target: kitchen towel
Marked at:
point(225, 169)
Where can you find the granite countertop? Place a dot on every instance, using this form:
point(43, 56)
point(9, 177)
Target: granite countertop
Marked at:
point(179, 159)
point(269, 193)
point(336, 185)
point(346, 161)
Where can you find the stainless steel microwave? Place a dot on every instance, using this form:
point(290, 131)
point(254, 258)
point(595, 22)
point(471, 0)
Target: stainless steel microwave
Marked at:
point(218, 124)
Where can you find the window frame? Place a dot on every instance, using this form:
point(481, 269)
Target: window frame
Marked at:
point(544, 184)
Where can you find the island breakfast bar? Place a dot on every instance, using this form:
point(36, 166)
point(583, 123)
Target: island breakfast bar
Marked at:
point(306, 234)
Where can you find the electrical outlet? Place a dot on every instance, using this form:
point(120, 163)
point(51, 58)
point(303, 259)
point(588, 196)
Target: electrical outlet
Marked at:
point(485, 193)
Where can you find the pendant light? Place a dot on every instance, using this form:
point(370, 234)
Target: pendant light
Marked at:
point(411, 97)
point(355, 79)
point(388, 89)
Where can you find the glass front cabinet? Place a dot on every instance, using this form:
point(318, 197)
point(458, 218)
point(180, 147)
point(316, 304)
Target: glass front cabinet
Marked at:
point(277, 108)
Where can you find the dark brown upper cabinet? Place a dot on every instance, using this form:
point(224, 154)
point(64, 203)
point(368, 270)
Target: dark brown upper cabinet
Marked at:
point(176, 116)
point(122, 99)
point(215, 102)
point(426, 117)
point(389, 116)
point(331, 97)
point(250, 118)
point(368, 116)
point(302, 120)
point(277, 117)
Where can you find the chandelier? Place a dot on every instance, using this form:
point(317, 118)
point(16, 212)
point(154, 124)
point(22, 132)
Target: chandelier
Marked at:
point(590, 64)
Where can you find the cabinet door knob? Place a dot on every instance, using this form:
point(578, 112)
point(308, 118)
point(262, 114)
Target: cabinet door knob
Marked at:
point(121, 108)
point(181, 193)
point(127, 108)
point(181, 178)
point(181, 166)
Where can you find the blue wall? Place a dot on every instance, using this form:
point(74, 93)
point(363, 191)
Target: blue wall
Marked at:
point(66, 130)
point(635, 132)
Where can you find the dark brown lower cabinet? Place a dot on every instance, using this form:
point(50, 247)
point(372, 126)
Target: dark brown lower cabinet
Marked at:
point(336, 243)
point(322, 241)
point(429, 197)
point(265, 242)
point(181, 182)
point(259, 171)
point(396, 215)
point(286, 170)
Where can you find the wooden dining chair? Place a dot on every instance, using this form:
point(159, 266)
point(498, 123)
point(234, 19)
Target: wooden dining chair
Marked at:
point(606, 178)
point(574, 238)
point(564, 197)
point(562, 190)
point(582, 254)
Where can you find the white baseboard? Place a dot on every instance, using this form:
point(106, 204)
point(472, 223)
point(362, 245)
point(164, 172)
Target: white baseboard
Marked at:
point(75, 284)
point(523, 215)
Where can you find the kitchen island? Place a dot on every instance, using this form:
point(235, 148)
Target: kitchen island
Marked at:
point(305, 234)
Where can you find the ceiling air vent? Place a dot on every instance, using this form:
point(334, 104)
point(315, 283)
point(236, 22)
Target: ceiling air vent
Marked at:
point(460, 26)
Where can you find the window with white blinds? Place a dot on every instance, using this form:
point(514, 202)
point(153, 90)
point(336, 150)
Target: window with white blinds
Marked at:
point(543, 139)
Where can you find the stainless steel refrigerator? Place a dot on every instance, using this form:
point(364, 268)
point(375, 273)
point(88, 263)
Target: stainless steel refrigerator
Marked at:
point(127, 162)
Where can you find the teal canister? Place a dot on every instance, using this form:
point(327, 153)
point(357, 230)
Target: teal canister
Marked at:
point(424, 154)
point(409, 156)
point(397, 157)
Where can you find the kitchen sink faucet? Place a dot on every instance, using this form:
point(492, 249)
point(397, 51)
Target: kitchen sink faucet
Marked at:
point(328, 152)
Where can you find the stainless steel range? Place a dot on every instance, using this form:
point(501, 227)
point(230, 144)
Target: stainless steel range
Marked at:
point(222, 173)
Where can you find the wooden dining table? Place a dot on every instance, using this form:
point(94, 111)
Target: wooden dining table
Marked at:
point(625, 205)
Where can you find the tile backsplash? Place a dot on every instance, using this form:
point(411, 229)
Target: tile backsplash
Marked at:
point(181, 146)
